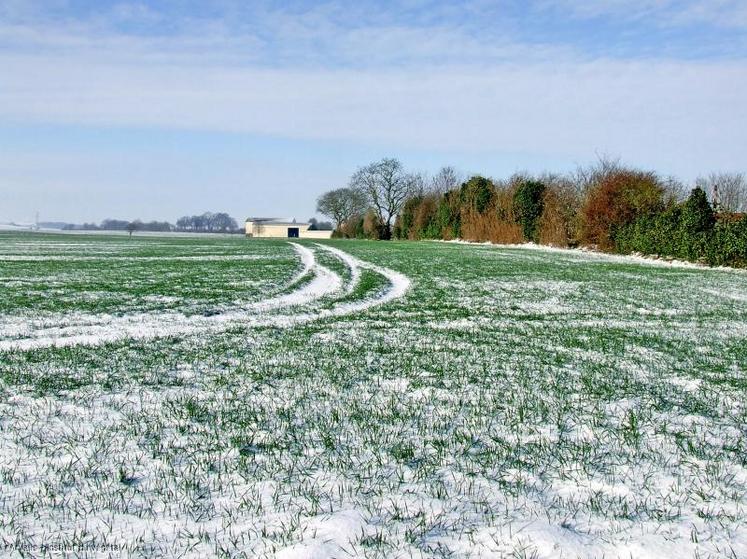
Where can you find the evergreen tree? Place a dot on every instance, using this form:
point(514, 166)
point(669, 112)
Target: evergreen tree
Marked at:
point(697, 213)
point(528, 206)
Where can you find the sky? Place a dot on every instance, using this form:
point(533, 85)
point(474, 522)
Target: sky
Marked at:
point(154, 110)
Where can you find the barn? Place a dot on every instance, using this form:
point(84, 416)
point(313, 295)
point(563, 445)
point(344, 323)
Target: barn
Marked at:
point(266, 228)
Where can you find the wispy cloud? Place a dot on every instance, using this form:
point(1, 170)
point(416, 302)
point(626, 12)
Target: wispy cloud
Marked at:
point(724, 13)
point(567, 108)
point(485, 78)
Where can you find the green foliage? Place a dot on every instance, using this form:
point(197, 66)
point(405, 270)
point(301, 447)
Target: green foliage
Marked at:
point(448, 217)
point(406, 218)
point(688, 231)
point(528, 206)
point(697, 213)
point(728, 244)
point(619, 198)
point(432, 229)
point(625, 210)
point(477, 193)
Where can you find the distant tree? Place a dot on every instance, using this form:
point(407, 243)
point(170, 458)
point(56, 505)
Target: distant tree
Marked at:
point(731, 190)
point(386, 186)
point(674, 191)
point(184, 223)
point(315, 225)
point(223, 222)
point(198, 222)
point(559, 223)
point(131, 227)
point(161, 226)
point(445, 180)
point(207, 222)
point(341, 204)
point(114, 225)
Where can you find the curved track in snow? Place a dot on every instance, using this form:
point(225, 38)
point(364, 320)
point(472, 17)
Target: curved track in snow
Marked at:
point(319, 285)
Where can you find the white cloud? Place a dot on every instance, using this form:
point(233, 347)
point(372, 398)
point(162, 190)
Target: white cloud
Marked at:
point(671, 109)
point(665, 13)
point(437, 89)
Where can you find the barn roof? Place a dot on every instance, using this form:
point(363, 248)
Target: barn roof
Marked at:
point(275, 221)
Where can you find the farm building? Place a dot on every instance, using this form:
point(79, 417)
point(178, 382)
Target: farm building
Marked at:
point(273, 228)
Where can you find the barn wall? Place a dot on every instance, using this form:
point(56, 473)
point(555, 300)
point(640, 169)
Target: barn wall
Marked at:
point(271, 231)
point(316, 234)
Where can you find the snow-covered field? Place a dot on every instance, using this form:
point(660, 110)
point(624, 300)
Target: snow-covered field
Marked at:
point(195, 397)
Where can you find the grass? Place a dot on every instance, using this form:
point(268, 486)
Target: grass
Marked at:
point(515, 402)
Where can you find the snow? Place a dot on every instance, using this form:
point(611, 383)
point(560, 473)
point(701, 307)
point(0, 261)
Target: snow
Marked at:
point(98, 329)
point(472, 404)
point(586, 254)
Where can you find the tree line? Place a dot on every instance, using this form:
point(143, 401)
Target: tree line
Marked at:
point(607, 206)
point(207, 222)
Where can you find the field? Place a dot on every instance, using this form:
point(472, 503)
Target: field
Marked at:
point(191, 397)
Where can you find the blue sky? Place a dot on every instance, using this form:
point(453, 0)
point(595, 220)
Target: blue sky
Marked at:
point(158, 109)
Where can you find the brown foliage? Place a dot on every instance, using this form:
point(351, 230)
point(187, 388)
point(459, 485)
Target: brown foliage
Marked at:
point(504, 200)
point(372, 225)
point(559, 223)
point(618, 198)
point(730, 217)
point(349, 228)
point(552, 224)
point(425, 213)
point(488, 227)
point(497, 223)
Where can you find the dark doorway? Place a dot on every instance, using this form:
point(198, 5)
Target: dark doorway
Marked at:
point(292, 232)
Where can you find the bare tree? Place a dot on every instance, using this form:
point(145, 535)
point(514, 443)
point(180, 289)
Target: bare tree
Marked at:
point(674, 189)
point(387, 186)
point(728, 191)
point(341, 204)
point(584, 178)
point(445, 180)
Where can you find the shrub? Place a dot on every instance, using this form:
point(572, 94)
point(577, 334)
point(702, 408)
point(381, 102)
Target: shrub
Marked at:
point(653, 234)
point(689, 231)
point(477, 194)
point(552, 228)
point(608, 206)
point(728, 246)
point(351, 229)
point(488, 227)
point(448, 215)
point(425, 222)
point(406, 218)
point(697, 213)
point(374, 228)
point(620, 198)
point(528, 204)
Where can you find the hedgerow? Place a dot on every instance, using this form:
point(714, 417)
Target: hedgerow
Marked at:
point(613, 209)
point(607, 207)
